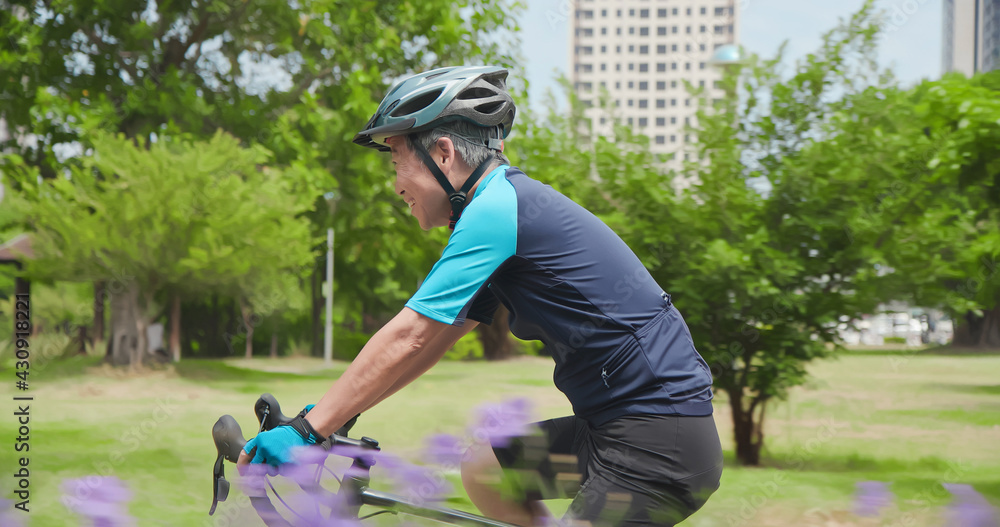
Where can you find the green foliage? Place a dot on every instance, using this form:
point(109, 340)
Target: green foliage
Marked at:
point(895, 340)
point(229, 224)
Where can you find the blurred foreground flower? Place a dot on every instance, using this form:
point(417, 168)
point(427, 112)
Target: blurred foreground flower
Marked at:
point(10, 517)
point(102, 500)
point(444, 449)
point(501, 422)
point(871, 497)
point(969, 508)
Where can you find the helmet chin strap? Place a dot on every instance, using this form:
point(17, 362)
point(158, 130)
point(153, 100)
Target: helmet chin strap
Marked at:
point(459, 197)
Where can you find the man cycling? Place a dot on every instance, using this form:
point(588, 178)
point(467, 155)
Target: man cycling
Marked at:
point(642, 433)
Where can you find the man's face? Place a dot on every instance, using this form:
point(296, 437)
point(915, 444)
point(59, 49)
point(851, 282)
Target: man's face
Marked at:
point(417, 186)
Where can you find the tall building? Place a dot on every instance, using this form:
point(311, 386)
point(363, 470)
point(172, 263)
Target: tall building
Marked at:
point(971, 36)
point(641, 52)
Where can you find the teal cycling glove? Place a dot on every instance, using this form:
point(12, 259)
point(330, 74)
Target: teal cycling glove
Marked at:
point(274, 447)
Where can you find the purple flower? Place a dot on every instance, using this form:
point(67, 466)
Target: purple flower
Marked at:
point(499, 423)
point(9, 517)
point(444, 449)
point(969, 508)
point(871, 497)
point(102, 500)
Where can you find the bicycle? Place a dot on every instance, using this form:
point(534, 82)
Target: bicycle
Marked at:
point(354, 491)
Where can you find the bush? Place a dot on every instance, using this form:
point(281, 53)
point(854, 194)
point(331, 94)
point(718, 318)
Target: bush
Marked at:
point(894, 340)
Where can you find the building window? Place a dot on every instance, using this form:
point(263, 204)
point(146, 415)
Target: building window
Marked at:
point(673, 120)
point(604, 49)
point(661, 140)
point(704, 10)
point(689, 11)
point(673, 29)
point(661, 85)
point(631, 85)
point(643, 103)
point(618, 67)
point(661, 121)
point(643, 68)
point(643, 31)
point(661, 13)
point(604, 31)
point(701, 65)
point(643, 85)
point(644, 13)
point(702, 29)
point(603, 84)
point(687, 66)
point(604, 67)
point(618, 49)
point(687, 47)
point(674, 12)
point(584, 31)
point(661, 103)
point(619, 13)
point(701, 84)
point(603, 120)
point(630, 103)
point(687, 29)
point(643, 122)
point(661, 31)
point(631, 30)
point(584, 68)
point(687, 102)
point(673, 102)
point(643, 50)
point(586, 15)
point(701, 47)
point(630, 121)
point(618, 31)
point(673, 66)
point(631, 48)
point(661, 66)
point(618, 85)
point(673, 47)
point(585, 50)
point(673, 84)
point(687, 120)
point(631, 66)
point(673, 138)
point(631, 12)
point(661, 49)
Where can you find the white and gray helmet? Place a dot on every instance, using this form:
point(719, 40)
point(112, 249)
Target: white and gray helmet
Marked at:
point(477, 94)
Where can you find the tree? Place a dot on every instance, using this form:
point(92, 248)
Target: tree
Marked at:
point(298, 77)
point(173, 218)
point(753, 249)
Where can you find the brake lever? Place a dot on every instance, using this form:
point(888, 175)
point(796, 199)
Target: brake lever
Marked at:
point(229, 442)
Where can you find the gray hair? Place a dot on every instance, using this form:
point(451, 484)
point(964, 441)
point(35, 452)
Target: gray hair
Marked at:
point(469, 140)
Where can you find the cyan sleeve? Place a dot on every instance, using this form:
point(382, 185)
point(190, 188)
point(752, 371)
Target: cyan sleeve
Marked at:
point(484, 238)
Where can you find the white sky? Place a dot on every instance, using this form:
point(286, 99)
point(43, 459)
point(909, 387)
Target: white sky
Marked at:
point(912, 45)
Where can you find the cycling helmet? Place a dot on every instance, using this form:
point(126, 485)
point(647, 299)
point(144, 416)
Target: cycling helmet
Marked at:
point(477, 94)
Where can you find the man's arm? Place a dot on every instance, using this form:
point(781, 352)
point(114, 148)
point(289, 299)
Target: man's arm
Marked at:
point(426, 360)
point(397, 354)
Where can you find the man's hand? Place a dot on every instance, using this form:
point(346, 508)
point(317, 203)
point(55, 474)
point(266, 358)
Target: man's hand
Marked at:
point(275, 446)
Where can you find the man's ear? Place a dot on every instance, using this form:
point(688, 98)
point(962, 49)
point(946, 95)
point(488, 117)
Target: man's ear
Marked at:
point(446, 150)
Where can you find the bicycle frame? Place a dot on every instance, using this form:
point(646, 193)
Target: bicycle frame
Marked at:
point(354, 488)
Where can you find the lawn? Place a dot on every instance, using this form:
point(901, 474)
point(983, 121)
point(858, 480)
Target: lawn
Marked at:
point(910, 420)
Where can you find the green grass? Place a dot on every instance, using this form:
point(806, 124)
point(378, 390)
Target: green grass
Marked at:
point(912, 420)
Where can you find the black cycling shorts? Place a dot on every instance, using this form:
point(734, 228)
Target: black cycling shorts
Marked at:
point(634, 470)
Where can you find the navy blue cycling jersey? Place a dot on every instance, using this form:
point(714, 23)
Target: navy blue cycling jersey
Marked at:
point(620, 346)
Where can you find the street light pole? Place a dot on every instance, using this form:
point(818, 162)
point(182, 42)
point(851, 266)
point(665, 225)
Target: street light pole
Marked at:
point(331, 200)
point(328, 332)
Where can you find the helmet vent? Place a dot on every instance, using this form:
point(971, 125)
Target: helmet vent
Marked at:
point(489, 107)
point(417, 104)
point(476, 93)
